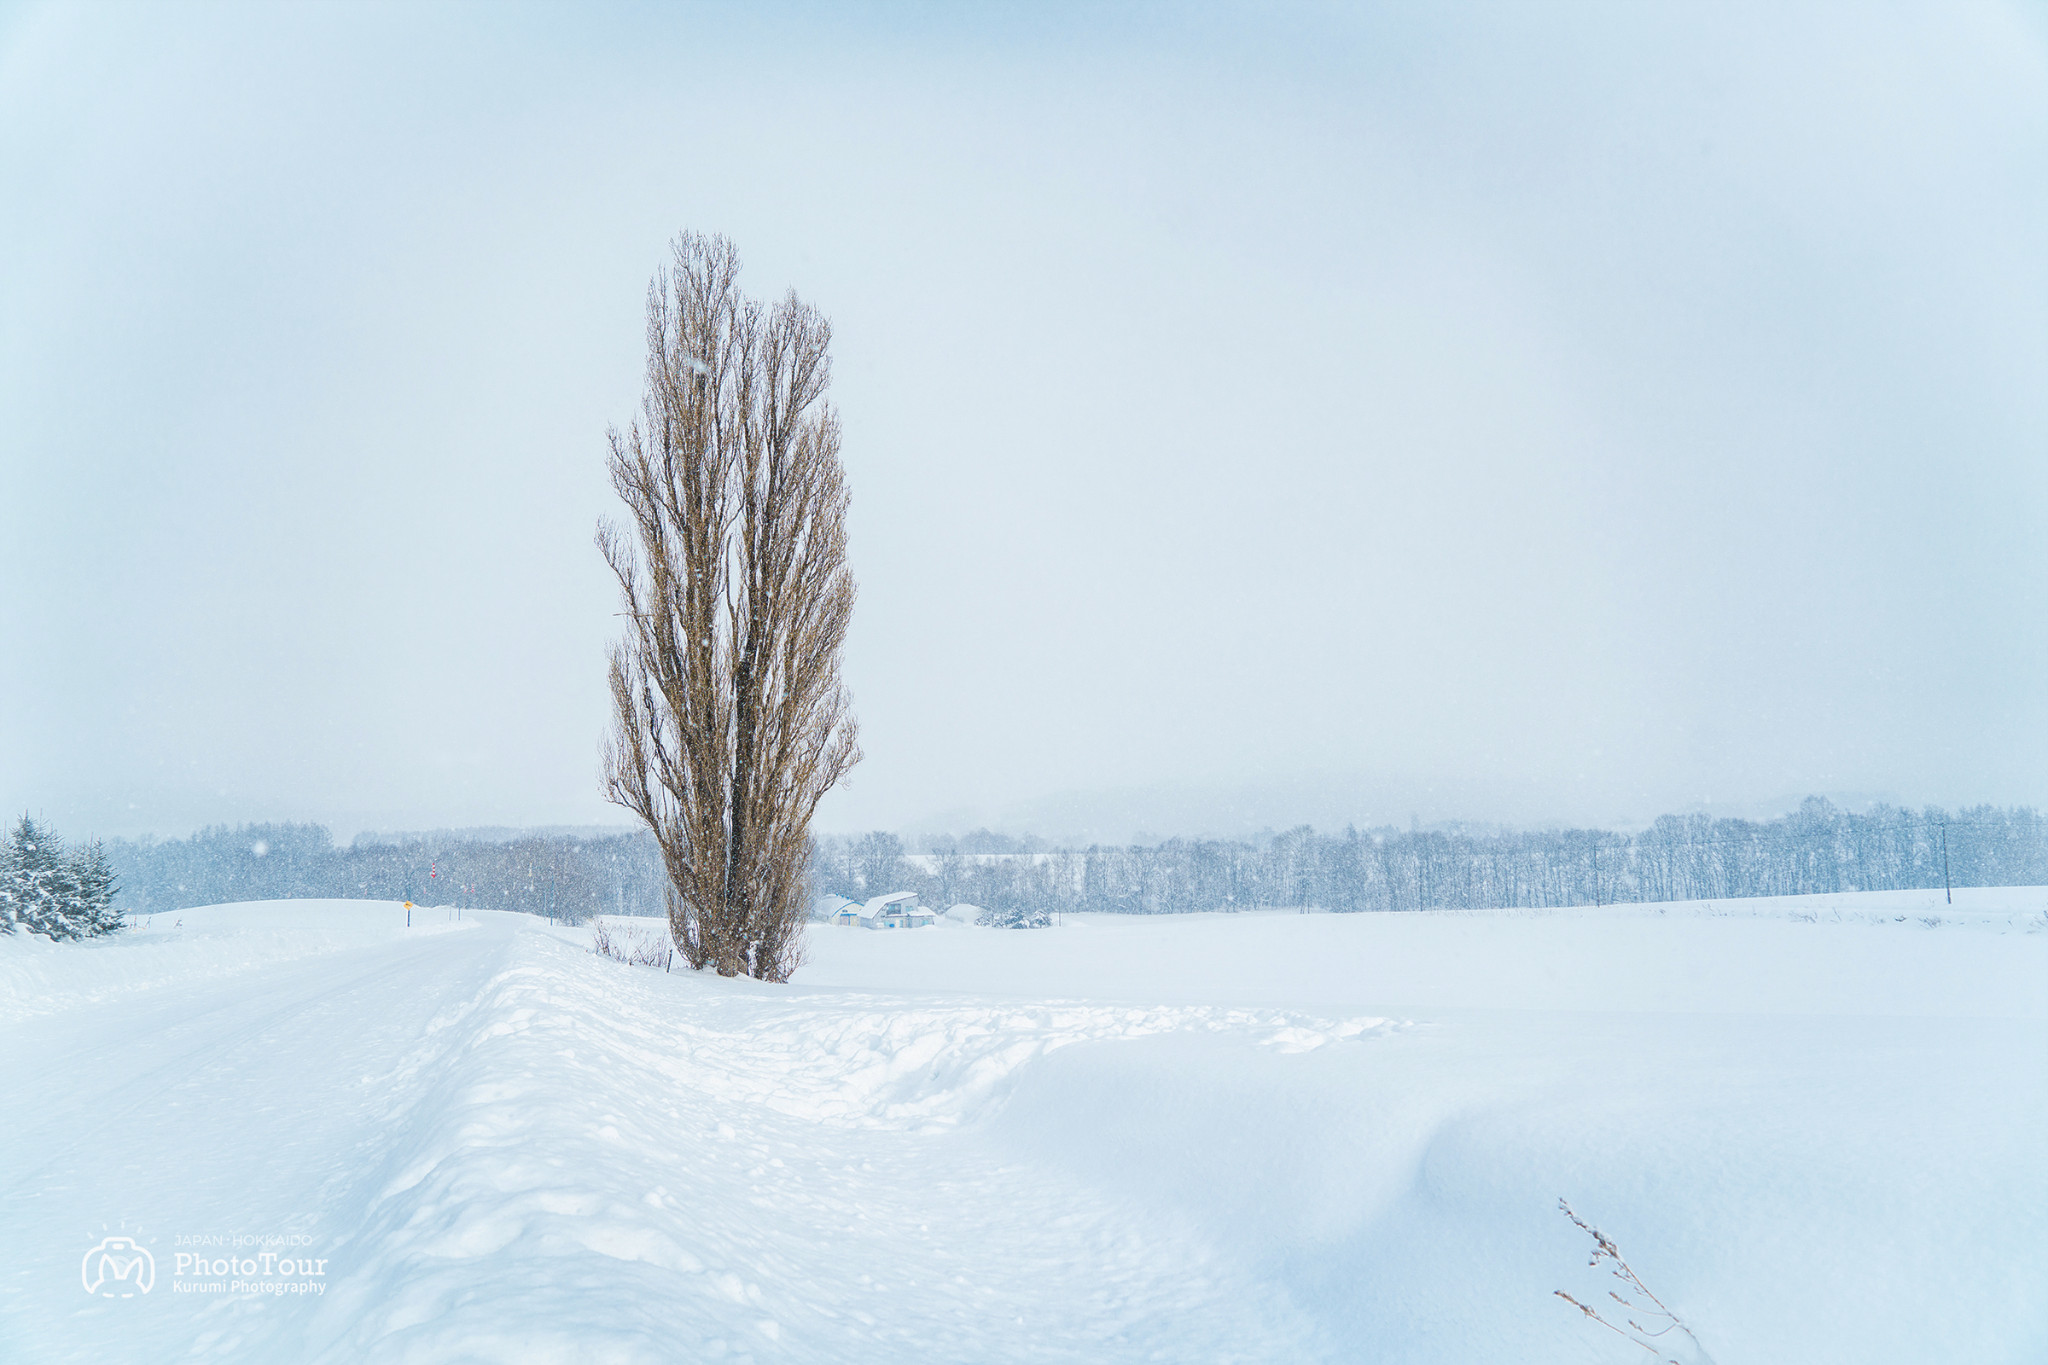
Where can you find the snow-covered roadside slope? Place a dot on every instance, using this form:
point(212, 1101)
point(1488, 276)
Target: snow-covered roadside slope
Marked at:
point(1206, 1138)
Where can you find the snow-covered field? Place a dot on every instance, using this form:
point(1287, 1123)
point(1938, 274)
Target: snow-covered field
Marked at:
point(1814, 1126)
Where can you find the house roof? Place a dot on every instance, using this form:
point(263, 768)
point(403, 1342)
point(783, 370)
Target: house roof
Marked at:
point(882, 903)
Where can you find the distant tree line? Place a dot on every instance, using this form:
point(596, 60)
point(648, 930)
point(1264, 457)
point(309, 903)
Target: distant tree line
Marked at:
point(562, 876)
point(1818, 848)
point(46, 890)
point(1023, 880)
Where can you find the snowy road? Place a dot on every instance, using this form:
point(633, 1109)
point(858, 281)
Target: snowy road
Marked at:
point(1208, 1138)
point(262, 1103)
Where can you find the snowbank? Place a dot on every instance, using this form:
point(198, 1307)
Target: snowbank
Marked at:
point(1805, 1119)
point(1813, 1129)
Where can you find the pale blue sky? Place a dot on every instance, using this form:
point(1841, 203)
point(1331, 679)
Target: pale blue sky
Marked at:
point(1528, 413)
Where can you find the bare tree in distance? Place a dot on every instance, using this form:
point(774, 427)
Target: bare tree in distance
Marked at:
point(729, 719)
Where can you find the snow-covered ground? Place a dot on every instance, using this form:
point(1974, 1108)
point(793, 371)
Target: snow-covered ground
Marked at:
point(1813, 1126)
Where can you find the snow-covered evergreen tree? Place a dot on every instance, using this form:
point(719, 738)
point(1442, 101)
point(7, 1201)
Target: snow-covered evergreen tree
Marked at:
point(1015, 913)
point(13, 908)
point(92, 889)
point(57, 917)
point(47, 893)
point(38, 881)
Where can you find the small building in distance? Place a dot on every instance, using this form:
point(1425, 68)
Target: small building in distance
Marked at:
point(837, 910)
point(899, 910)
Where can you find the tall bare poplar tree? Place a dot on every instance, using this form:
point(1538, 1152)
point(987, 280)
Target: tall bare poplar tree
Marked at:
point(730, 722)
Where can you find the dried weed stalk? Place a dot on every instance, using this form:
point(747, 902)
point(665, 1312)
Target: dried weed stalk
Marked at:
point(1658, 1321)
point(643, 948)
